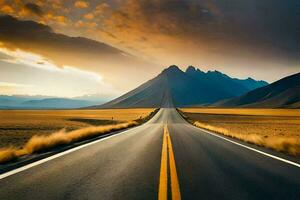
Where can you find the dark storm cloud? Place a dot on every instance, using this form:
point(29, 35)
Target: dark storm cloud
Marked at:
point(19, 34)
point(166, 16)
point(270, 27)
point(34, 9)
point(64, 50)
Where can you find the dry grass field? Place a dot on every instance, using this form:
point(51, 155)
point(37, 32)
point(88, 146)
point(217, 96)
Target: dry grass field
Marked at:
point(278, 129)
point(28, 132)
point(17, 126)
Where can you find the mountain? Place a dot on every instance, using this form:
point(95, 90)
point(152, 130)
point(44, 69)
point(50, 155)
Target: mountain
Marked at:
point(16, 100)
point(96, 98)
point(282, 93)
point(250, 83)
point(45, 102)
point(56, 103)
point(175, 87)
point(149, 94)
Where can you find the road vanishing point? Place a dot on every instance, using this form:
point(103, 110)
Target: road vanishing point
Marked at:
point(165, 158)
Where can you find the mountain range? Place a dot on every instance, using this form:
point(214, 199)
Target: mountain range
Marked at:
point(190, 88)
point(284, 93)
point(174, 87)
point(48, 102)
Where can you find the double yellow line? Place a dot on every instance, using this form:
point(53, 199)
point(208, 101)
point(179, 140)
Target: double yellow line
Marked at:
point(163, 180)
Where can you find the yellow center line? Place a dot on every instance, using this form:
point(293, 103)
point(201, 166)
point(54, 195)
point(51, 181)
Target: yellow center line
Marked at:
point(163, 180)
point(174, 178)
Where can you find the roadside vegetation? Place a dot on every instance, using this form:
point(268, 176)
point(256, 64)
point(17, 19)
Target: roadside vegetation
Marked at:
point(18, 126)
point(278, 129)
point(45, 142)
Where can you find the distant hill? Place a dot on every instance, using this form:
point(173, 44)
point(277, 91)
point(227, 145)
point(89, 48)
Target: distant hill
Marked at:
point(192, 87)
point(282, 93)
point(7, 101)
point(45, 102)
point(56, 103)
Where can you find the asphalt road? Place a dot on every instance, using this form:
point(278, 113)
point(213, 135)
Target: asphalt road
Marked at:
point(134, 165)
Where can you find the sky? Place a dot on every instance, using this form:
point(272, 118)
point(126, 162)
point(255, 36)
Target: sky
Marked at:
point(71, 48)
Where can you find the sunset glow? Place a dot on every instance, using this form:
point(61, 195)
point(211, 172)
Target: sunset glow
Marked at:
point(119, 44)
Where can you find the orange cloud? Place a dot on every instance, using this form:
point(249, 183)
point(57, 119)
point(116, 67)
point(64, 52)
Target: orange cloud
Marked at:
point(52, 18)
point(7, 9)
point(88, 25)
point(102, 8)
point(89, 16)
point(56, 4)
point(81, 4)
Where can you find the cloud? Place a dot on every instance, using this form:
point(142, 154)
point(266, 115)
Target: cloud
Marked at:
point(89, 16)
point(81, 4)
point(36, 61)
point(102, 8)
point(208, 33)
point(56, 4)
point(82, 24)
point(18, 34)
point(46, 78)
point(52, 18)
point(89, 55)
point(7, 9)
point(34, 9)
point(11, 88)
point(260, 30)
point(6, 84)
point(49, 12)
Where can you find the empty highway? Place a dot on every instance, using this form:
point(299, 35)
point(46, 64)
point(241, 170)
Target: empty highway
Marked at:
point(166, 158)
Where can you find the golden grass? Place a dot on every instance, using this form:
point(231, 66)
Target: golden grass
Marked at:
point(278, 129)
point(289, 145)
point(43, 142)
point(17, 126)
point(40, 143)
point(7, 154)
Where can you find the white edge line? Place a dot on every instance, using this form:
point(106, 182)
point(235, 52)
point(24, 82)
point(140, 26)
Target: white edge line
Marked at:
point(253, 149)
point(15, 171)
